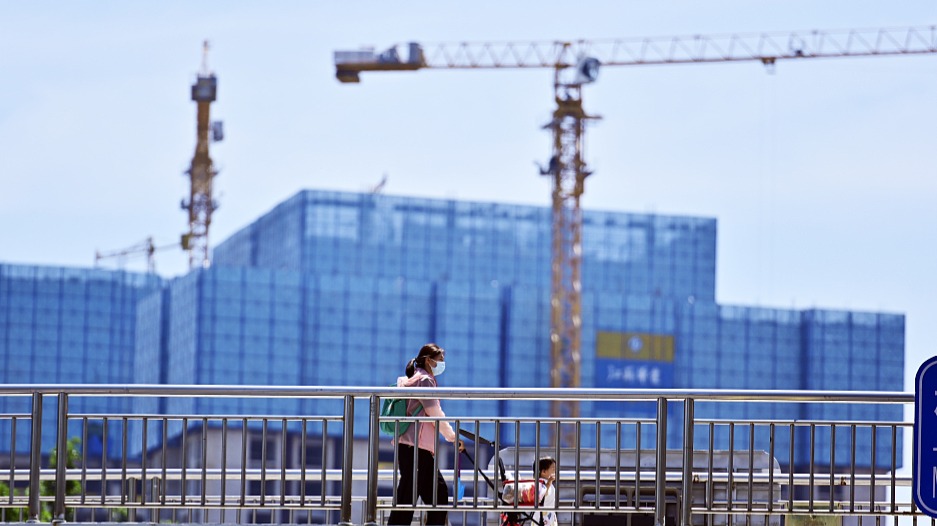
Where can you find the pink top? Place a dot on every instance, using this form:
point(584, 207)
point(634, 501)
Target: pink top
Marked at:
point(427, 430)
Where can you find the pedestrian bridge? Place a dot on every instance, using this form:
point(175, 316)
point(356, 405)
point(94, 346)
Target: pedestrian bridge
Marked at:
point(642, 457)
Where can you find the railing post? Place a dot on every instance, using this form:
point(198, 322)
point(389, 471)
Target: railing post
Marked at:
point(348, 457)
point(35, 458)
point(688, 423)
point(660, 475)
point(374, 434)
point(61, 459)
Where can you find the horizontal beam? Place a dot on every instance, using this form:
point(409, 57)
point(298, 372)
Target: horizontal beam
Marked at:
point(693, 49)
point(488, 393)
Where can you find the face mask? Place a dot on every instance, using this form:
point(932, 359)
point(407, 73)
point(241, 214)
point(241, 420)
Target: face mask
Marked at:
point(440, 367)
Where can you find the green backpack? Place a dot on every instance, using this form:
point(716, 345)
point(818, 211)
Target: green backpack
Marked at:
point(396, 408)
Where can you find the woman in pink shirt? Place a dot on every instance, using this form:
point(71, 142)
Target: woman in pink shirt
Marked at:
point(422, 372)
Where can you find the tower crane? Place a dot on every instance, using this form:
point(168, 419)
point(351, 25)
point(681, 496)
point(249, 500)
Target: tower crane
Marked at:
point(200, 203)
point(146, 248)
point(575, 64)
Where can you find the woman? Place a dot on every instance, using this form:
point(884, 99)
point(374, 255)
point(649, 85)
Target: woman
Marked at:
point(418, 443)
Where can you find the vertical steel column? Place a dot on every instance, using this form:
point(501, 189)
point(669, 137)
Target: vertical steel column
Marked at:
point(201, 172)
point(568, 171)
point(61, 459)
point(688, 423)
point(35, 458)
point(660, 475)
point(374, 433)
point(348, 456)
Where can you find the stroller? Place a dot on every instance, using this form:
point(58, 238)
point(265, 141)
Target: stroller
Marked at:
point(525, 495)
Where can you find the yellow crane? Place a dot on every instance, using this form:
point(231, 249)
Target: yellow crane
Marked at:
point(577, 63)
point(200, 203)
point(144, 248)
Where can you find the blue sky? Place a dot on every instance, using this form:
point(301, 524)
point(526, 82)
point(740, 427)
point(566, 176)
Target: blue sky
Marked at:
point(822, 176)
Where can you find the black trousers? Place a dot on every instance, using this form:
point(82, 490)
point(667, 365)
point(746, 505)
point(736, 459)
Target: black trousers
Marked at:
point(427, 479)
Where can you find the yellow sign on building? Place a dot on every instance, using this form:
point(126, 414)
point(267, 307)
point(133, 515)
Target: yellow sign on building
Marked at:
point(635, 346)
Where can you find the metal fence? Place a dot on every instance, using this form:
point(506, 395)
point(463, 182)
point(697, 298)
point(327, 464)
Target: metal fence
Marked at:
point(321, 469)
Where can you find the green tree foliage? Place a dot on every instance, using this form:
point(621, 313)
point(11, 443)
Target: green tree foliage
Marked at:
point(47, 489)
point(11, 514)
point(72, 487)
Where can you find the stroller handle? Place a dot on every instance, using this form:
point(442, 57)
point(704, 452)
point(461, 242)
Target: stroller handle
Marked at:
point(475, 438)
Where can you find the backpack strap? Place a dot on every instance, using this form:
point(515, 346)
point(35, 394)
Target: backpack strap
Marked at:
point(418, 425)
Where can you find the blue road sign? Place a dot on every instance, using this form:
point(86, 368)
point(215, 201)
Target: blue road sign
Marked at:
point(925, 438)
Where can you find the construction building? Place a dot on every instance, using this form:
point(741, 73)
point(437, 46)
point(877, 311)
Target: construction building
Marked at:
point(333, 288)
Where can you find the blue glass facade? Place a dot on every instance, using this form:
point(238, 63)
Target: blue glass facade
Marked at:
point(336, 288)
point(374, 236)
point(70, 326)
point(487, 267)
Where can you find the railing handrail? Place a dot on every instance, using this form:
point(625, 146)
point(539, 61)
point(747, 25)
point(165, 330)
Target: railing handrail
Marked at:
point(683, 471)
point(360, 474)
point(488, 393)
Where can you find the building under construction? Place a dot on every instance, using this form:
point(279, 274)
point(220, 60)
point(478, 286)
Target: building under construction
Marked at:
point(289, 296)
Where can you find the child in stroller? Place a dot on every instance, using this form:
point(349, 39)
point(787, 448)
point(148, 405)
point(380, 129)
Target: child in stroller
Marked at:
point(527, 493)
point(528, 489)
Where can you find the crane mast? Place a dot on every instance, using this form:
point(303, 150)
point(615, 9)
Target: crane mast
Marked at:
point(201, 172)
point(576, 63)
point(567, 171)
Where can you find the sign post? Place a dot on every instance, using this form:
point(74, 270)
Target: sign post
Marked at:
point(925, 438)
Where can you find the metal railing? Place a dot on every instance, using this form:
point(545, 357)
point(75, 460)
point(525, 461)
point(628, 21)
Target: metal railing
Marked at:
point(685, 470)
